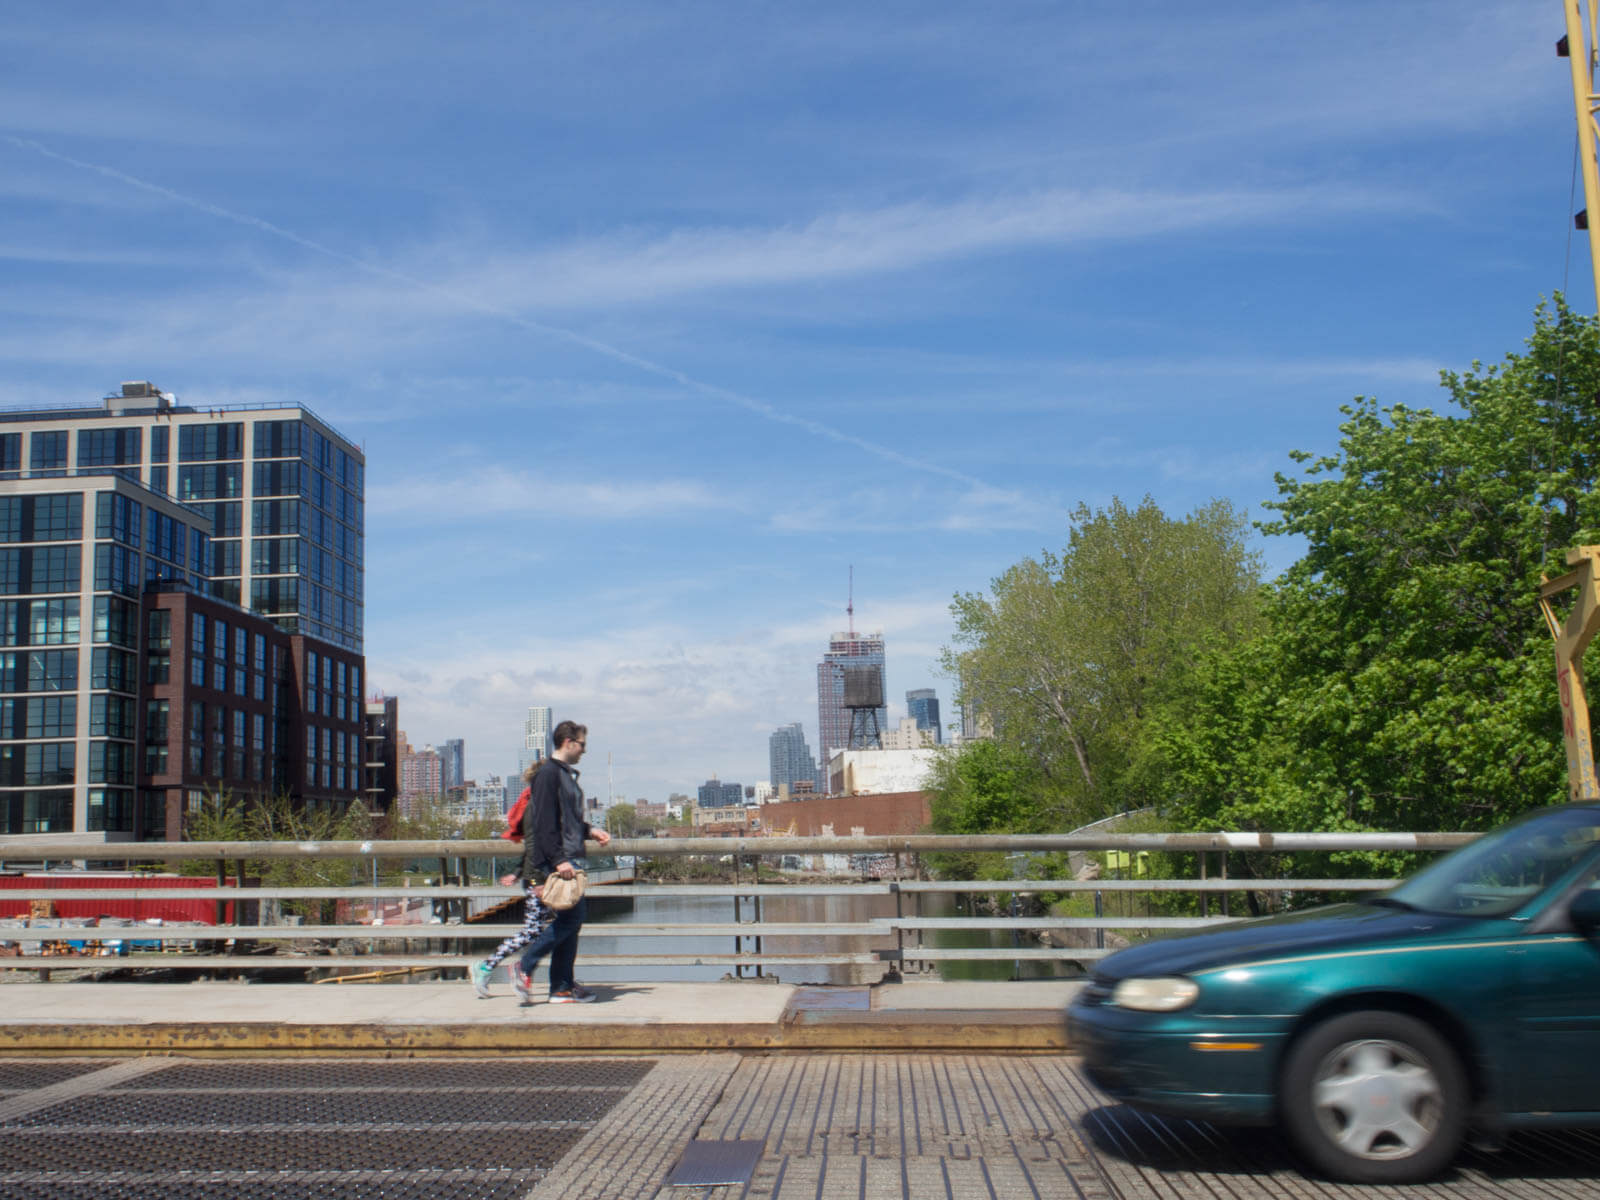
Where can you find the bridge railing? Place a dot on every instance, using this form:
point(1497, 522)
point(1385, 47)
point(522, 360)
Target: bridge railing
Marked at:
point(897, 938)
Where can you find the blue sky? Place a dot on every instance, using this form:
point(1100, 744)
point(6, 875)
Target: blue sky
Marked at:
point(653, 319)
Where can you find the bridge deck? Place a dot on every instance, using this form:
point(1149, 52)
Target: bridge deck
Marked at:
point(917, 1126)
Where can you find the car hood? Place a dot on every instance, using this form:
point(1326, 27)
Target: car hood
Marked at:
point(1274, 937)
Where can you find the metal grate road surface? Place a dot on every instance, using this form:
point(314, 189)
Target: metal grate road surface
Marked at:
point(347, 1128)
point(925, 1127)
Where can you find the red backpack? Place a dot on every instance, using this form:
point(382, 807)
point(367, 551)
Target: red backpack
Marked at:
point(513, 830)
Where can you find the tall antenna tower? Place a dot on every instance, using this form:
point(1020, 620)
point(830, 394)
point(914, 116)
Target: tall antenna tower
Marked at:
point(850, 603)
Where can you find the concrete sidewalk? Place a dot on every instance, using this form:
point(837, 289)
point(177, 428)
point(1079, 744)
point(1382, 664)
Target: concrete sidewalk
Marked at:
point(438, 1017)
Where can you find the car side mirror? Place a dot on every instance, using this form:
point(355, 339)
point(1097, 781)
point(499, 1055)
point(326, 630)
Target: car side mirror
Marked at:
point(1585, 912)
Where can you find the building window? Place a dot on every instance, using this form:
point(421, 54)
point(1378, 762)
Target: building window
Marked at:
point(270, 517)
point(197, 672)
point(158, 480)
point(239, 688)
point(10, 454)
point(116, 569)
point(276, 479)
point(37, 764)
point(34, 569)
point(215, 481)
point(39, 717)
point(226, 518)
point(39, 671)
point(39, 622)
point(219, 639)
point(110, 810)
point(117, 517)
point(113, 670)
point(156, 715)
point(47, 451)
point(41, 518)
point(160, 440)
point(116, 621)
point(211, 443)
point(277, 439)
point(110, 762)
point(110, 447)
point(111, 716)
point(158, 646)
point(219, 677)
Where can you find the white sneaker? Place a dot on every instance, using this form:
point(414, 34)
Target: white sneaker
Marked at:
point(480, 973)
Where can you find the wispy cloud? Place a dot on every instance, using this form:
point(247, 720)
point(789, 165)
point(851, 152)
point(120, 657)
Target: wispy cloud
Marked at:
point(636, 267)
point(480, 491)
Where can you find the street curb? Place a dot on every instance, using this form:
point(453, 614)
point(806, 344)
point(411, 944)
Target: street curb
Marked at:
point(975, 1030)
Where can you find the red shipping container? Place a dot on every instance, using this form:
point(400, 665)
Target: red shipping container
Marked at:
point(175, 909)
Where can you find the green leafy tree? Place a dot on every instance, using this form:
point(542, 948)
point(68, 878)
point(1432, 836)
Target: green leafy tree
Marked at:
point(1069, 655)
point(987, 787)
point(223, 817)
point(622, 820)
point(1405, 680)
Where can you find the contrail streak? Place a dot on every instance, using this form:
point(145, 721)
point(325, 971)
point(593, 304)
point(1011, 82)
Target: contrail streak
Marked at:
point(712, 391)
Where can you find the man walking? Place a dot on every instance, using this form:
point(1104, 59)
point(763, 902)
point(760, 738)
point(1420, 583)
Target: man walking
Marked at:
point(553, 833)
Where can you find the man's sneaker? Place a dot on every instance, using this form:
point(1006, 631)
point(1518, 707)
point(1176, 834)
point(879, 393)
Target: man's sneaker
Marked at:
point(522, 983)
point(480, 972)
point(573, 996)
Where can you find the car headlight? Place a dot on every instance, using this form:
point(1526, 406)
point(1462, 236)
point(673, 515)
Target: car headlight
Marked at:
point(1166, 994)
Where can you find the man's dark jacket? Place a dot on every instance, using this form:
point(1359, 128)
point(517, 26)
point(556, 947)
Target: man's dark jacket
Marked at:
point(553, 828)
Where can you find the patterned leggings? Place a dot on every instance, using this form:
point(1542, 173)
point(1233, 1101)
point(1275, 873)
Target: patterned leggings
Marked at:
point(536, 918)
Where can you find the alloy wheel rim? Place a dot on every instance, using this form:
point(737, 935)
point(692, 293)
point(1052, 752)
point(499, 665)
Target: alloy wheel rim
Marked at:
point(1377, 1099)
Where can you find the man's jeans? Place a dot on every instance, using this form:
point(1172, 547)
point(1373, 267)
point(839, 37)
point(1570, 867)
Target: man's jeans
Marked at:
point(559, 940)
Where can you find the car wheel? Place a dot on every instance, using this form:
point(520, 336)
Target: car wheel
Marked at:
point(1375, 1097)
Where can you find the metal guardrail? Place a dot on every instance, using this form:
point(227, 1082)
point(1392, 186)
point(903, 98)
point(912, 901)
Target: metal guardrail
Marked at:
point(446, 944)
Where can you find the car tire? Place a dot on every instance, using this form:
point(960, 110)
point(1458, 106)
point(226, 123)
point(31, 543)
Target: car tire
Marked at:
point(1374, 1097)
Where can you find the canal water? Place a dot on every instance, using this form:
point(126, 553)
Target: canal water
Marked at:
point(605, 932)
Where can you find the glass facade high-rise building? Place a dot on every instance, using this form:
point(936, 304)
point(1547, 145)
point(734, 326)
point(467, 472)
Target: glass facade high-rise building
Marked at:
point(537, 743)
point(790, 757)
point(922, 704)
point(452, 764)
point(180, 611)
point(849, 649)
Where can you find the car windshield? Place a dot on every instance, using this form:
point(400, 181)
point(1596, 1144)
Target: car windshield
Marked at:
point(1503, 870)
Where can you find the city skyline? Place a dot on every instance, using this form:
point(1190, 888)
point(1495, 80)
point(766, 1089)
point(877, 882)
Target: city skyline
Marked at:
point(650, 321)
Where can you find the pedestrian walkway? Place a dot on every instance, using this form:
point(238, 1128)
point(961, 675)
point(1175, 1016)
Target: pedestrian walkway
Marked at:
point(440, 1017)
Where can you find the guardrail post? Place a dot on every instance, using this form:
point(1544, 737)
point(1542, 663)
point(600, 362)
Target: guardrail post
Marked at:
point(1222, 855)
point(1205, 896)
point(739, 939)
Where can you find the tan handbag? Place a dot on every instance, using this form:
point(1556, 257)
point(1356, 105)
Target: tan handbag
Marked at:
point(561, 894)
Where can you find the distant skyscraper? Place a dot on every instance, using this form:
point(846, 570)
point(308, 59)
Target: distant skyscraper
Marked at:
point(536, 740)
point(420, 775)
point(923, 705)
point(452, 764)
point(790, 756)
point(536, 731)
point(849, 649)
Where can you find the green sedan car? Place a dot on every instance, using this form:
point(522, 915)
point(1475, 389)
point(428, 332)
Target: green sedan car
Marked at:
point(1375, 1034)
